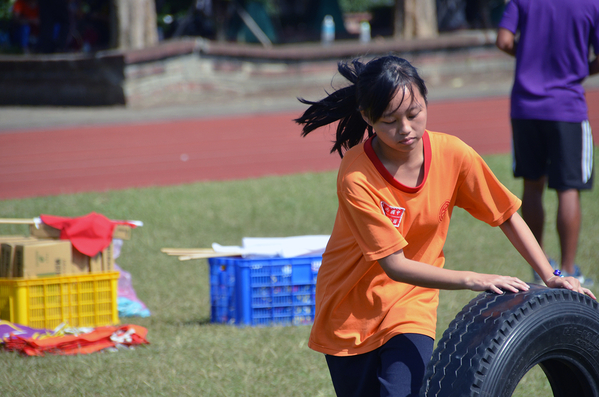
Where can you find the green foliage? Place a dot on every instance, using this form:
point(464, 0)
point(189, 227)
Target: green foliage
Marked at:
point(6, 9)
point(363, 5)
point(189, 356)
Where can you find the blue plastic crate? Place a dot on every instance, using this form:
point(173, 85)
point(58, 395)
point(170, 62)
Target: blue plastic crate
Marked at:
point(263, 292)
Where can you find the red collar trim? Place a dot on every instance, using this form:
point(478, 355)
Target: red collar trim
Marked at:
point(387, 175)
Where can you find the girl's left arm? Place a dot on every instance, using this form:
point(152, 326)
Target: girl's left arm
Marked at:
point(521, 237)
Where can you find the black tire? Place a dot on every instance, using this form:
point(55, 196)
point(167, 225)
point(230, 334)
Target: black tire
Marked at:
point(496, 339)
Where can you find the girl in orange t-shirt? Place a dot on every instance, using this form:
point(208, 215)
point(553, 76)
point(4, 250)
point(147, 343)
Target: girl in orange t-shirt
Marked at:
point(378, 287)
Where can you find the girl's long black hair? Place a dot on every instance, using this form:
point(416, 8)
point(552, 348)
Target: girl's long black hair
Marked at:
point(372, 87)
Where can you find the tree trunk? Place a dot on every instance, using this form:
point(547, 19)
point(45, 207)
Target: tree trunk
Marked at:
point(398, 19)
point(420, 19)
point(135, 24)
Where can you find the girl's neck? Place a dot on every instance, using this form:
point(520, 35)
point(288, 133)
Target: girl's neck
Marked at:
point(407, 167)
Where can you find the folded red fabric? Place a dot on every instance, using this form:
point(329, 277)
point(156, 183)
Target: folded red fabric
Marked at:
point(89, 234)
point(100, 338)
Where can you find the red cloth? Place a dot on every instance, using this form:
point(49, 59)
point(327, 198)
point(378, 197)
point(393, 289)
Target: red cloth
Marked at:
point(26, 9)
point(99, 339)
point(89, 234)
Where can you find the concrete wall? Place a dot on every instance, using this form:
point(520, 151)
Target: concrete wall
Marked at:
point(62, 80)
point(194, 69)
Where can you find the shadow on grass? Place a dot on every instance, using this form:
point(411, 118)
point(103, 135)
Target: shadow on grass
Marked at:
point(200, 322)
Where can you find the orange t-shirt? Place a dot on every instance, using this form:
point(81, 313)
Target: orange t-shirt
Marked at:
point(358, 307)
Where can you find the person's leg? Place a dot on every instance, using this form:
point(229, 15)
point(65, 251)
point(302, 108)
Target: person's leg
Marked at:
point(530, 152)
point(533, 212)
point(570, 171)
point(529, 145)
point(403, 363)
point(355, 376)
point(568, 226)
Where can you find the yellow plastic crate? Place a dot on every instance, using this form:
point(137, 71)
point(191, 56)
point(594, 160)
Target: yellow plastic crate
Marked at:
point(88, 300)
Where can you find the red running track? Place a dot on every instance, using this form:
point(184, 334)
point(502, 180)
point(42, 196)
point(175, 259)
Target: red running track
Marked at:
point(106, 157)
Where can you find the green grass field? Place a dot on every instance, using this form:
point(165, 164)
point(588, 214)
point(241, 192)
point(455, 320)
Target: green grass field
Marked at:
point(189, 356)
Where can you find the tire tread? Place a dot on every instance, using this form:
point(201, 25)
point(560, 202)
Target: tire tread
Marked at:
point(472, 340)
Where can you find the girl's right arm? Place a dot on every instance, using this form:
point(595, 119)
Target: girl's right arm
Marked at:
point(402, 269)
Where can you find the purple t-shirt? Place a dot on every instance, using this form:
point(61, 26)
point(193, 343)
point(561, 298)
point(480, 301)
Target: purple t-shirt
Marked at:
point(552, 56)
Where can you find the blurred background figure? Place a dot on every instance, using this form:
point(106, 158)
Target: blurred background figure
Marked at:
point(89, 27)
point(26, 24)
point(54, 25)
point(552, 140)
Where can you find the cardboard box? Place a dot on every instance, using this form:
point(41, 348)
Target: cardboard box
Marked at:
point(7, 244)
point(122, 232)
point(79, 263)
point(95, 262)
point(4, 263)
point(44, 231)
point(42, 258)
point(101, 262)
point(7, 250)
point(108, 259)
point(10, 238)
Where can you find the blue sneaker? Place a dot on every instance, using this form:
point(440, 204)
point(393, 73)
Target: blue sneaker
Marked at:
point(537, 278)
point(584, 281)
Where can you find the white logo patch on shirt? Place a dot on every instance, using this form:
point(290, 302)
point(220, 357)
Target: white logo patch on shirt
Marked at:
point(393, 213)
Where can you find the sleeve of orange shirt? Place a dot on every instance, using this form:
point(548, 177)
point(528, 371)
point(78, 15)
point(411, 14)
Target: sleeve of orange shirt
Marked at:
point(482, 194)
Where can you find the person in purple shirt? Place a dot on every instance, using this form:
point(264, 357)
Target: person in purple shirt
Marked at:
point(552, 140)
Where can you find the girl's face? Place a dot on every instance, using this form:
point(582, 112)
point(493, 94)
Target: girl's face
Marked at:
point(402, 125)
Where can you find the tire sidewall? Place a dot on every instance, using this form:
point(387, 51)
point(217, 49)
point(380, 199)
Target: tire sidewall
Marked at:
point(495, 340)
point(558, 331)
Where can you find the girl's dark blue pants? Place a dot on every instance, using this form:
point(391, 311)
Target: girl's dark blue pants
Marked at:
point(394, 369)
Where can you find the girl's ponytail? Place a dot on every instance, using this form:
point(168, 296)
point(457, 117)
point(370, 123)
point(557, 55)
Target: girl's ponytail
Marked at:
point(340, 106)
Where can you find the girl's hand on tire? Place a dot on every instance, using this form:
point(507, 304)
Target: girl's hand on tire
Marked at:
point(570, 283)
point(495, 283)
